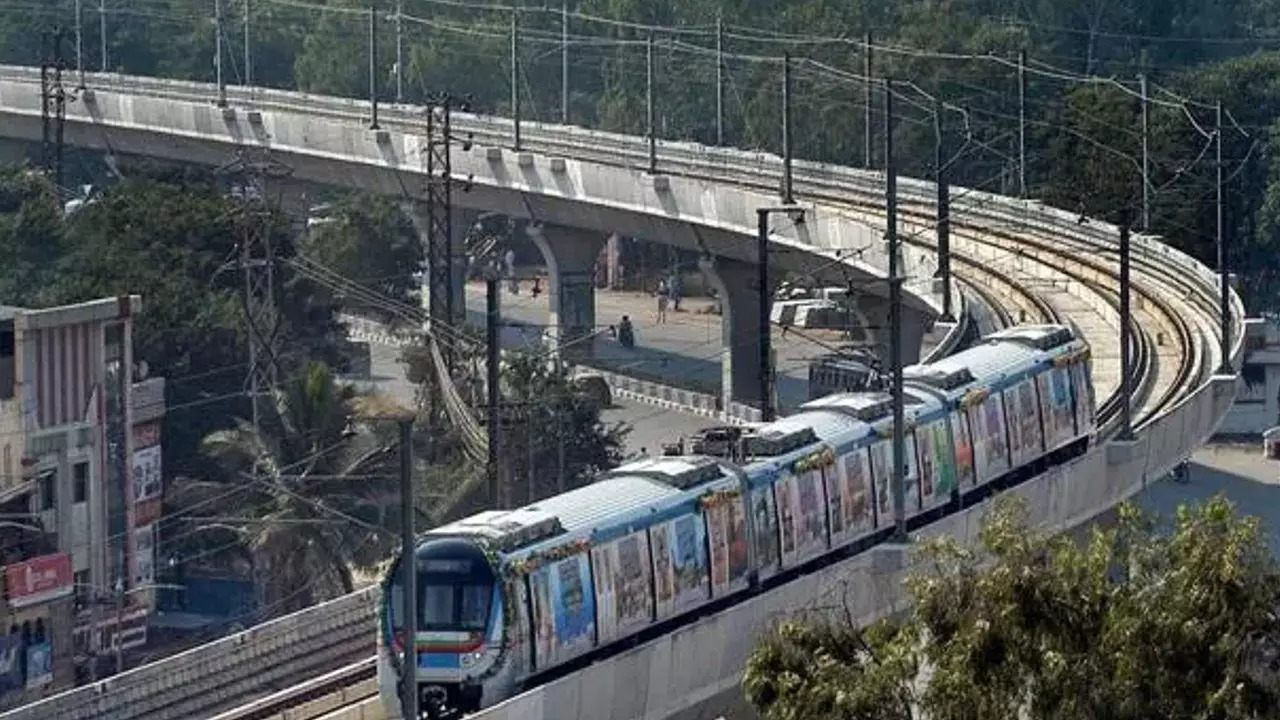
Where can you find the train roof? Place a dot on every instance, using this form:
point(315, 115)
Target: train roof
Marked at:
point(1040, 337)
point(643, 485)
point(988, 362)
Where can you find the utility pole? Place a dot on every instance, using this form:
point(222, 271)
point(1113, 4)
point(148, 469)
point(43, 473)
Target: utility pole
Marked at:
point(648, 104)
point(1126, 336)
point(765, 331)
point(1022, 123)
point(562, 426)
point(564, 62)
point(373, 67)
point(1146, 158)
point(118, 635)
point(719, 80)
point(943, 225)
point(79, 44)
point(866, 105)
point(787, 196)
point(102, 31)
point(493, 357)
point(217, 53)
point(408, 576)
point(1223, 271)
point(531, 478)
point(399, 51)
point(895, 321)
point(515, 76)
point(248, 49)
point(53, 104)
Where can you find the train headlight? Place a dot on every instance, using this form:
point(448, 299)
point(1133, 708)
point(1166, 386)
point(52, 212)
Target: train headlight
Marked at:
point(471, 658)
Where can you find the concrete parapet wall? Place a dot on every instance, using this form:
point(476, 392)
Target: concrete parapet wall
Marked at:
point(191, 683)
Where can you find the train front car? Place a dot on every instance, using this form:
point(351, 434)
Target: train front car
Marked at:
point(459, 624)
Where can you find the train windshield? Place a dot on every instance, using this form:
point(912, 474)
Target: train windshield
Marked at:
point(455, 587)
point(451, 603)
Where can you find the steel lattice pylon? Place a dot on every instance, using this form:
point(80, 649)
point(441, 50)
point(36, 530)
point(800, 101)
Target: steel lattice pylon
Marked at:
point(248, 174)
point(439, 229)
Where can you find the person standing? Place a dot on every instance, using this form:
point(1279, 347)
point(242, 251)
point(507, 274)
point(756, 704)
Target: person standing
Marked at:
point(662, 294)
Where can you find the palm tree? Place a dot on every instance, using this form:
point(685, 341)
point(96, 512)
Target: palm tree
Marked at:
point(309, 496)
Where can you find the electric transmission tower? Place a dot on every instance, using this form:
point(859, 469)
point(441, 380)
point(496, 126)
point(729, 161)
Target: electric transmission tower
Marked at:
point(248, 174)
point(53, 104)
point(439, 210)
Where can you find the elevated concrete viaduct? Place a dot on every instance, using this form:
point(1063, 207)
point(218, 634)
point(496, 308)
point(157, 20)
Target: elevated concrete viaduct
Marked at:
point(586, 199)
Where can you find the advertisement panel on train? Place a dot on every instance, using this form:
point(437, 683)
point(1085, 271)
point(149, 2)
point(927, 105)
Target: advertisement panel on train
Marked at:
point(728, 539)
point(680, 569)
point(849, 491)
point(965, 476)
point(764, 517)
point(881, 462)
point(623, 585)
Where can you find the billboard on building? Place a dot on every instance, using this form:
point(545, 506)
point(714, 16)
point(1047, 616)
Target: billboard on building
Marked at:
point(147, 479)
point(10, 662)
point(144, 556)
point(39, 665)
point(38, 580)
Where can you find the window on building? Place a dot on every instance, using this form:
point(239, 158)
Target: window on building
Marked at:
point(80, 480)
point(48, 489)
point(6, 365)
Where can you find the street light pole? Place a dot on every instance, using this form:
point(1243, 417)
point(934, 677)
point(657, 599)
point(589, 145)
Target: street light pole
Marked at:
point(766, 342)
point(408, 567)
point(118, 636)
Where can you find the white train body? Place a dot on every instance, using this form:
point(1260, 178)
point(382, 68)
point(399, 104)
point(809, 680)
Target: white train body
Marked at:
point(510, 598)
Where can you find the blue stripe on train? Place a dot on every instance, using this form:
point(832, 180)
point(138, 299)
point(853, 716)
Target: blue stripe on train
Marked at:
point(439, 661)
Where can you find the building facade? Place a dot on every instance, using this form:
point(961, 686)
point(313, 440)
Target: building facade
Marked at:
point(1257, 405)
point(67, 516)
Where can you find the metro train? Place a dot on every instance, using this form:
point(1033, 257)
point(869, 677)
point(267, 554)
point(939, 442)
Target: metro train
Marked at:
point(510, 598)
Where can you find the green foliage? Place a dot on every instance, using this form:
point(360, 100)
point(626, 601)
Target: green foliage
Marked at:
point(369, 241)
point(541, 407)
point(1135, 622)
point(305, 498)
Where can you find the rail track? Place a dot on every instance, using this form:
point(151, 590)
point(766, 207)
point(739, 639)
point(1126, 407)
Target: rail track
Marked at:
point(994, 257)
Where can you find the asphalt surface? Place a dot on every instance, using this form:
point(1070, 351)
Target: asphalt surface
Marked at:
point(684, 351)
point(650, 425)
point(1239, 472)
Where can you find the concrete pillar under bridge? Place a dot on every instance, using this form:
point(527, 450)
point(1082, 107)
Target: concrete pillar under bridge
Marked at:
point(460, 223)
point(571, 256)
point(736, 286)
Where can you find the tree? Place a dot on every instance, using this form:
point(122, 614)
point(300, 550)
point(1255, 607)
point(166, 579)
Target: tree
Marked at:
point(1133, 623)
point(31, 233)
point(305, 497)
point(542, 405)
point(368, 241)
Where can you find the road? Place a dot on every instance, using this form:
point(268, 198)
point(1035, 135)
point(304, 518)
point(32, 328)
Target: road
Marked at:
point(650, 426)
point(1237, 471)
point(684, 351)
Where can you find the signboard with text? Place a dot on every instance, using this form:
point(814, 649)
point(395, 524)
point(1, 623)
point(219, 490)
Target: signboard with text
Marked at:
point(38, 580)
